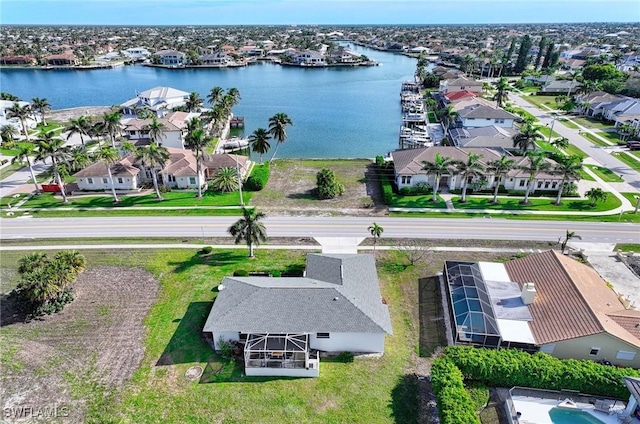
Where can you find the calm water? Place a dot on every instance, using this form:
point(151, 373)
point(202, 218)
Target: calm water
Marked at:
point(337, 112)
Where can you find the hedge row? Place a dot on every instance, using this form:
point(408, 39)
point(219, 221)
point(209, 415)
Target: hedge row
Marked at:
point(511, 367)
point(387, 188)
point(454, 403)
point(258, 178)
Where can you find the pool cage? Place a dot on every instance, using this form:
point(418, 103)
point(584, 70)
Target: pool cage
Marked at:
point(279, 351)
point(471, 313)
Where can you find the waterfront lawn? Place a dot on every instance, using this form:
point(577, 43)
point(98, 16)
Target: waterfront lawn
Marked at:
point(569, 123)
point(567, 205)
point(595, 140)
point(628, 160)
point(605, 174)
point(592, 123)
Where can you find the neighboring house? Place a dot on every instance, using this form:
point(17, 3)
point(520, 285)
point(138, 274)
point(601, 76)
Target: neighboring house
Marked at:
point(626, 106)
point(181, 170)
point(170, 58)
point(160, 100)
point(174, 132)
point(460, 84)
point(136, 53)
point(492, 137)
point(214, 163)
point(282, 324)
point(65, 59)
point(95, 177)
point(473, 113)
point(539, 80)
point(220, 59)
point(561, 87)
point(309, 58)
point(457, 96)
point(17, 60)
point(595, 101)
point(545, 301)
point(407, 166)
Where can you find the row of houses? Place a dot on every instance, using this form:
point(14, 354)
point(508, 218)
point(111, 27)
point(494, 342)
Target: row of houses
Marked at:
point(611, 107)
point(62, 59)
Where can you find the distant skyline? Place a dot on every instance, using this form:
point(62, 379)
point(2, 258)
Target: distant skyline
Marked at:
point(304, 12)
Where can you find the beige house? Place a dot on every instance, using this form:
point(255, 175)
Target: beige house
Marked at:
point(95, 177)
point(460, 84)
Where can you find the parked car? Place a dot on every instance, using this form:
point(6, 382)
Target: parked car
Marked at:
point(634, 146)
point(633, 143)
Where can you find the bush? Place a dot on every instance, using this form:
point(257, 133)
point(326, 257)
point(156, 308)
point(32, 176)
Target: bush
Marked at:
point(258, 178)
point(275, 273)
point(240, 273)
point(454, 403)
point(327, 185)
point(207, 250)
point(387, 189)
point(54, 305)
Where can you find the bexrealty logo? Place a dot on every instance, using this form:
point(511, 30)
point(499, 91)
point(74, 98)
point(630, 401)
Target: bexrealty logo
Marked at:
point(55, 411)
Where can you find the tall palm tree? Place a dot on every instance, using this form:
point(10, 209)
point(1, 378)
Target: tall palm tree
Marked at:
point(81, 126)
point(499, 168)
point(467, 64)
point(109, 155)
point(156, 130)
point(278, 129)
point(596, 195)
point(440, 166)
point(568, 168)
point(153, 156)
point(215, 95)
point(569, 236)
point(249, 228)
point(24, 151)
point(447, 116)
point(537, 163)
point(472, 168)
point(7, 133)
point(111, 125)
point(259, 141)
point(78, 158)
point(194, 102)
point(527, 137)
point(376, 231)
point(235, 95)
point(22, 113)
point(197, 141)
point(42, 106)
point(502, 91)
point(52, 147)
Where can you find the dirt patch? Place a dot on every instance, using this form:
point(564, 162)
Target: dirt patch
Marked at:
point(290, 190)
point(64, 115)
point(87, 351)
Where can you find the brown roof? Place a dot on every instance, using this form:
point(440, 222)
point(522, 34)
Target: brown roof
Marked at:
point(219, 161)
point(174, 121)
point(572, 300)
point(123, 168)
point(182, 163)
point(409, 162)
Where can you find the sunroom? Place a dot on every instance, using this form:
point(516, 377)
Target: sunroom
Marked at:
point(280, 355)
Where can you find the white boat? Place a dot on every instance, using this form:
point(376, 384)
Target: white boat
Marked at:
point(234, 143)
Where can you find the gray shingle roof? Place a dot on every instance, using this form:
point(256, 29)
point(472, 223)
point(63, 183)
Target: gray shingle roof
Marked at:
point(340, 293)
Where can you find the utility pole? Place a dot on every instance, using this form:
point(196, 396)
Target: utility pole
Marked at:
point(553, 121)
point(239, 181)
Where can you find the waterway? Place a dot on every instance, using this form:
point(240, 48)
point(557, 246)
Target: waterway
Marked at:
point(336, 112)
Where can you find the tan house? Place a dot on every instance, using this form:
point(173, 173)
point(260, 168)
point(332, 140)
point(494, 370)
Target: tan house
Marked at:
point(65, 59)
point(545, 301)
point(460, 84)
point(95, 177)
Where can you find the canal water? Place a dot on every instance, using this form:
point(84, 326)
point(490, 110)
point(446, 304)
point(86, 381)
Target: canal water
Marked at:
point(336, 112)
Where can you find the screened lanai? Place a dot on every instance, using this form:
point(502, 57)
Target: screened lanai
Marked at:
point(279, 351)
point(471, 311)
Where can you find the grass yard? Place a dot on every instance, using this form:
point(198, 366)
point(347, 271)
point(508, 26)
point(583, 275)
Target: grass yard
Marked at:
point(567, 205)
point(541, 101)
point(634, 153)
point(595, 140)
point(632, 197)
point(630, 247)
point(568, 123)
point(592, 123)
point(605, 174)
point(14, 150)
point(627, 159)
point(586, 177)
point(545, 131)
point(424, 201)
point(612, 136)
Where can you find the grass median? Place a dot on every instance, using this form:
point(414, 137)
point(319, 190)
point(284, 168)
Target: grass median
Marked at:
point(605, 174)
point(628, 160)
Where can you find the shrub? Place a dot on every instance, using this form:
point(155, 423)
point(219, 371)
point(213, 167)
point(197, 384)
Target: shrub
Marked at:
point(258, 178)
point(454, 403)
point(207, 250)
point(240, 273)
point(387, 189)
point(275, 273)
point(327, 185)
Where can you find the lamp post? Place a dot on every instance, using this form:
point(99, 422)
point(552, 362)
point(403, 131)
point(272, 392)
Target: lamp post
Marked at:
point(553, 121)
point(239, 181)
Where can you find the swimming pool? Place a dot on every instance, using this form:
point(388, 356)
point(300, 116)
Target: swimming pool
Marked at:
point(568, 416)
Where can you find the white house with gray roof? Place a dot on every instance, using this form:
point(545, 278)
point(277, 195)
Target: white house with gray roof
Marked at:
point(284, 323)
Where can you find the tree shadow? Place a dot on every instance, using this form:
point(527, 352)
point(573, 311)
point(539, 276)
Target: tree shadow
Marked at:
point(188, 343)
point(306, 195)
point(404, 398)
point(212, 259)
point(11, 311)
point(431, 316)
point(223, 370)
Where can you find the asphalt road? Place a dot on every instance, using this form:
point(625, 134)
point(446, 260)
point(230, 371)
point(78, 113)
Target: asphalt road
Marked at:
point(460, 229)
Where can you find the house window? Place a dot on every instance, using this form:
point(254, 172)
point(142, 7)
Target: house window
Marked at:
point(522, 183)
point(546, 184)
point(594, 351)
point(243, 337)
point(192, 180)
point(499, 121)
point(322, 336)
point(120, 180)
point(406, 179)
point(105, 181)
point(554, 184)
point(548, 348)
point(627, 356)
point(539, 184)
point(171, 178)
point(90, 180)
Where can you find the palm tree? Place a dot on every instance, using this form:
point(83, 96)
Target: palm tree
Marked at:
point(22, 113)
point(42, 106)
point(472, 168)
point(596, 195)
point(31, 261)
point(127, 147)
point(502, 93)
point(560, 143)
point(249, 228)
point(109, 155)
point(235, 95)
point(53, 147)
point(215, 95)
point(278, 129)
point(156, 130)
point(499, 168)
point(440, 166)
point(78, 158)
point(467, 63)
point(225, 180)
point(74, 260)
point(260, 142)
point(198, 140)
point(569, 236)
point(153, 156)
point(447, 116)
point(9, 97)
point(625, 131)
point(24, 151)
point(7, 133)
point(81, 125)
point(376, 231)
point(111, 125)
point(568, 168)
point(537, 164)
point(194, 103)
point(527, 137)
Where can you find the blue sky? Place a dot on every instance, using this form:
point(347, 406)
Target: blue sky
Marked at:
point(249, 12)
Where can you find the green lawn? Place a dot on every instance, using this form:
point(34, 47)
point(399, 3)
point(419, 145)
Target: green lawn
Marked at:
point(433, 119)
point(567, 205)
point(541, 101)
point(595, 140)
point(42, 129)
point(630, 247)
point(418, 202)
point(605, 174)
point(573, 150)
point(612, 136)
point(15, 150)
point(632, 197)
point(568, 123)
point(545, 131)
point(628, 160)
point(591, 123)
point(635, 153)
point(173, 199)
point(586, 177)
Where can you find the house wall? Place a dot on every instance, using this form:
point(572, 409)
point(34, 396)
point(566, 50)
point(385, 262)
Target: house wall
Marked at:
point(349, 342)
point(226, 336)
point(484, 122)
point(128, 183)
point(609, 347)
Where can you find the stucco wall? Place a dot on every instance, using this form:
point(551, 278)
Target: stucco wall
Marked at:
point(349, 342)
point(609, 348)
point(128, 183)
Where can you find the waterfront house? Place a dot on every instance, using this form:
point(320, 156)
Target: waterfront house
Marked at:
point(95, 177)
point(217, 59)
point(283, 324)
point(169, 58)
point(64, 59)
point(477, 112)
point(459, 84)
point(160, 100)
point(309, 58)
point(213, 163)
point(492, 137)
point(136, 53)
point(173, 133)
point(545, 301)
point(18, 60)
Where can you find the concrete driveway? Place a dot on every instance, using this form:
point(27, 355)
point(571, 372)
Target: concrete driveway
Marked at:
point(614, 271)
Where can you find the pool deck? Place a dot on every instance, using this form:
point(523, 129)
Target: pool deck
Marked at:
point(536, 410)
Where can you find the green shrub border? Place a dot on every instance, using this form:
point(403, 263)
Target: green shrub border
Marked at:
point(259, 178)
